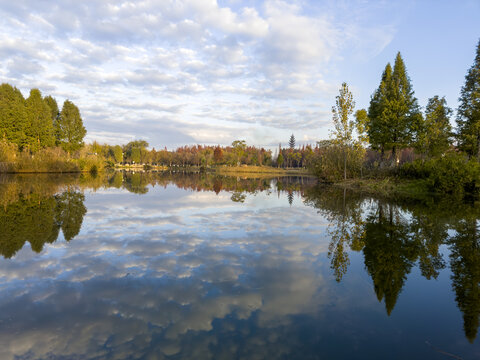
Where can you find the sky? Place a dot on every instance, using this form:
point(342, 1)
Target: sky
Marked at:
point(184, 72)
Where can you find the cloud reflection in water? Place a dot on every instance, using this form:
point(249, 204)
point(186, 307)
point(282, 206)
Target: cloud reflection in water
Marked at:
point(146, 274)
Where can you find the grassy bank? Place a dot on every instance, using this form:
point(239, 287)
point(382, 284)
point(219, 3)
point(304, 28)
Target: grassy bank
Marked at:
point(51, 160)
point(140, 167)
point(389, 187)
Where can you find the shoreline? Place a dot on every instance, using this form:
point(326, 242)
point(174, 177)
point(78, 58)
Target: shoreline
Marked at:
point(389, 187)
point(221, 170)
point(264, 170)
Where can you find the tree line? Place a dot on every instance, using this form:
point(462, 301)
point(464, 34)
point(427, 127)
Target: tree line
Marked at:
point(394, 130)
point(137, 152)
point(37, 122)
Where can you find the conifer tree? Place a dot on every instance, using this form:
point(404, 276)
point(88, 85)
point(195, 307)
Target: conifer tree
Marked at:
point(434, 136)
point(468, 112)
point(377, 125)
point(53, 106)
point(13, 116)
point(291, 142)
point(394, 115)
point(39, 129)
point(69, 129)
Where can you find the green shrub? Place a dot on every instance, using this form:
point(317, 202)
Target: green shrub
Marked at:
point(418, 169)
point(328, 163)
point(453, 173)
point(91, 163)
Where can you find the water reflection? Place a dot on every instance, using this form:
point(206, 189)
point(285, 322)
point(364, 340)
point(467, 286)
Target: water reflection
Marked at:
point(36, 207)
point(38, 219)
point(200, 266)
point(394, 238)
point(465, 266)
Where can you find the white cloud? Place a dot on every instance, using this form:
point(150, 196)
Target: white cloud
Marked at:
point(183, 56)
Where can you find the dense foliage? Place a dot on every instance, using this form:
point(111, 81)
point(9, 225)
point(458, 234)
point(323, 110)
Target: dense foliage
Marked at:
point(393, 114)
point(34, 123)
point(453, 173)
point(468, 113)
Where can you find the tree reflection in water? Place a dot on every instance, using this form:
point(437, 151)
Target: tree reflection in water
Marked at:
point(394, 237)
point(465, 266)
point(389, 252)
point(38, 220)
point(34, 208)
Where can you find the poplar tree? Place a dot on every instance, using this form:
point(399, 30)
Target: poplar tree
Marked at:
point(69, 129)
point(118, 153)
point(343, 125)
point(280, 160)
point(468, 112)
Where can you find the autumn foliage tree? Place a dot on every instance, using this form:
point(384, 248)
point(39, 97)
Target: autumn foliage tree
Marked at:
point(218, 154)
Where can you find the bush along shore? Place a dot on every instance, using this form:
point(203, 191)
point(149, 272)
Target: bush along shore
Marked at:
point(48, 160)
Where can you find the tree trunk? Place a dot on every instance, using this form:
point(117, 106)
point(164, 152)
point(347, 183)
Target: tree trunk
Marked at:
point(394, 155)
point(344, 164)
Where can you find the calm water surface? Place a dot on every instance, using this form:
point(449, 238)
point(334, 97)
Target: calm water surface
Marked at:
point(172, 266)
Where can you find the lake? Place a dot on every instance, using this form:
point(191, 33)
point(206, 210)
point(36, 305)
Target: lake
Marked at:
point(196, 266)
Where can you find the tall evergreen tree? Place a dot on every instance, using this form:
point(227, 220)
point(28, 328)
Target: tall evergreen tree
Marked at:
point(434, 136)
point(291, 142)
point(468, 112)
point(377, 128)
point(69, 129)
point(39, 129)
point(53, 106)
point(394, 114)
point(13, 116)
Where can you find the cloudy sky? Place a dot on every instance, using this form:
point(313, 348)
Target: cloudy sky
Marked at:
point(177, 72)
